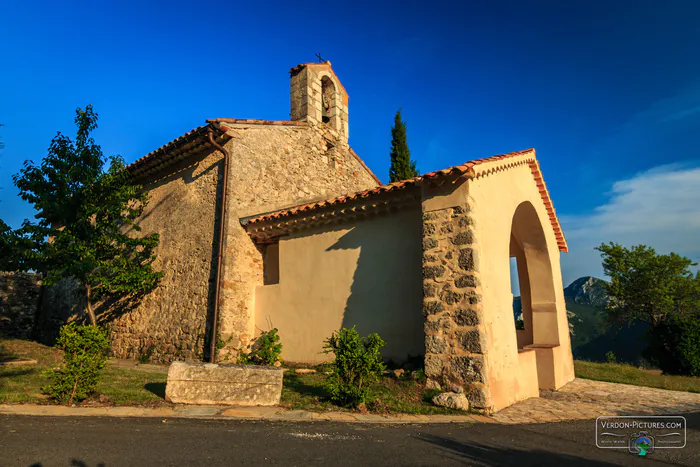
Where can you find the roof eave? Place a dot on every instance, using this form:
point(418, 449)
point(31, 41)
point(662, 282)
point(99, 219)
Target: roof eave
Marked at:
point(177, 150)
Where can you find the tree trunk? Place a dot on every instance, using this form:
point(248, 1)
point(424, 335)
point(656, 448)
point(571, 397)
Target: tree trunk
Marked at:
point(88, 307)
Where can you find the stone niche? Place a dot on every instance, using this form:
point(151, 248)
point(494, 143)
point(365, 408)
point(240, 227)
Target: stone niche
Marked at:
point(212, 384)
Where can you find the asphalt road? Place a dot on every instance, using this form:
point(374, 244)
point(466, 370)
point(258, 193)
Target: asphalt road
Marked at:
point(106, 441)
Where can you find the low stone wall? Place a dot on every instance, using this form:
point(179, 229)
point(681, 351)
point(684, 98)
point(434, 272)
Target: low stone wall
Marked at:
point(60, 304)
point(20, 294)
point(209, 383)
point(134, 333)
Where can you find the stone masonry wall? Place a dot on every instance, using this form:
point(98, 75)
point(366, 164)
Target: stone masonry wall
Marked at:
point(60, 304)
point(454, 338)
point(19, 299)
point(170, 323)
point(274, 167)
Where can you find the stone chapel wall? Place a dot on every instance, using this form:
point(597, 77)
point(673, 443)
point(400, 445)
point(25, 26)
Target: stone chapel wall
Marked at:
point(170, 322)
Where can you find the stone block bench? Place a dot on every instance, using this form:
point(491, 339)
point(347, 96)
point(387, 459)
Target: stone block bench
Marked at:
point(208, 383)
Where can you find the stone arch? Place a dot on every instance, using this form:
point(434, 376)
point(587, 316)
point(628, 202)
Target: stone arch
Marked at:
point(329, 102)
point(528, 245)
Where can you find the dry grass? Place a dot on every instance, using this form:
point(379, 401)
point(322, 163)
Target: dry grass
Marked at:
point(628, 374)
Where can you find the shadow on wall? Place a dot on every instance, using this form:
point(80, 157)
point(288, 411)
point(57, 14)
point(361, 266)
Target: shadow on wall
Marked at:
point(387, 288)
point(65, 302)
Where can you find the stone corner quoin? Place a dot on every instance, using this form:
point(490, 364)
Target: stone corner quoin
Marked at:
point(454, 339)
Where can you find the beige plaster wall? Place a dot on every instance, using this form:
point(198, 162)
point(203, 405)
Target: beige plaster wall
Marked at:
point(494, 199)
point(367, 274)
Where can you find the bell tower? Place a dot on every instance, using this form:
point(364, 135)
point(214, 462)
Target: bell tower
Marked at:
point(317, 97)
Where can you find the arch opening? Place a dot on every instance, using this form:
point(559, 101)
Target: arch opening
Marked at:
point(528, 250)
point(328, 101)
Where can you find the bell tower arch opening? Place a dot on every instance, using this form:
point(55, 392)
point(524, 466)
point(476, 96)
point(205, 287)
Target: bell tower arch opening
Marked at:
point(318, 97)
point(328, 104)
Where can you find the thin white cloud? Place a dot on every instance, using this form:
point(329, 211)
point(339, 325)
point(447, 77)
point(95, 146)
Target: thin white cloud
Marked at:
point(685, 113)
point(659, 208)
point(655, 128)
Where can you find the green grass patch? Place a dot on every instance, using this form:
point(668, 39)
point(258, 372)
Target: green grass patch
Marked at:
point(118, 386)
point(392, 395)
point(628, 374)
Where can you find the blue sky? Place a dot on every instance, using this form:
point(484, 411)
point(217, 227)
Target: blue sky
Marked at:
point(607, 92)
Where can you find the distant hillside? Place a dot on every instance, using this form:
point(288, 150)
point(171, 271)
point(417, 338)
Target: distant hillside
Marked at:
point(590, 340)
point(587, 291)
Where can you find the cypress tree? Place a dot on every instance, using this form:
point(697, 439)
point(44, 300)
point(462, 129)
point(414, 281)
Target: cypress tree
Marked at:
point(402, 167)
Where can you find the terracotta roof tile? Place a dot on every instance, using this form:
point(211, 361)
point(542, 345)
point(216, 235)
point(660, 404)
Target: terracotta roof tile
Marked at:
point(466, 168)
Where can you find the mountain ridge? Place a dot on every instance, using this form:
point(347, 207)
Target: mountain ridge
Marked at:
point(587, 290)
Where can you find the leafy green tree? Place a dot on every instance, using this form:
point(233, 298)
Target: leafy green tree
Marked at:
point(18, 248)
point(402, 167)
point(86, 227)
point(6, 247)
point(662, 291)
point(646, 286)
point(675, 345)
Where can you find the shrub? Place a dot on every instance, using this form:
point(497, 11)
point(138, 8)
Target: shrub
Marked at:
point(357, 364)
point(674, 345)
point(84, 356)
point(429, 394)
point(266, 349)
point(610, 357)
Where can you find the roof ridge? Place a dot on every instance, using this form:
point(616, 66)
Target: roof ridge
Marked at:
point(257, 121)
